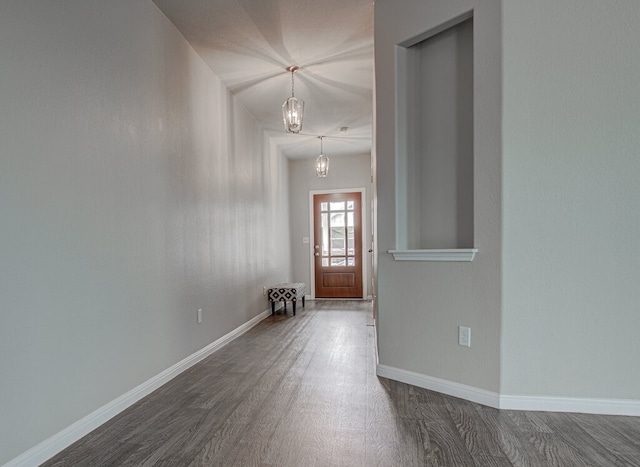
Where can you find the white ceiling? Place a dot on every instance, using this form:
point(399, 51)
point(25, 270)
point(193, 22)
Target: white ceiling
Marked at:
point(249, 43)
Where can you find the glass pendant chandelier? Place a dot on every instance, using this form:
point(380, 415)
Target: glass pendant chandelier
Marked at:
point(292, 109)
point(322, 162)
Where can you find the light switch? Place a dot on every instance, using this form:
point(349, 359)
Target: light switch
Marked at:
point(305, 239)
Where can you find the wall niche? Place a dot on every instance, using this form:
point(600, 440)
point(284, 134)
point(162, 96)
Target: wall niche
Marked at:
point(434, 153)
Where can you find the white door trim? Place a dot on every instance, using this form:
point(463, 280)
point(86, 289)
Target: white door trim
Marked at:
point(312, 241)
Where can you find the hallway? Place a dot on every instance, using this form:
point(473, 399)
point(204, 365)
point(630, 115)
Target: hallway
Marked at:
point(302, 391)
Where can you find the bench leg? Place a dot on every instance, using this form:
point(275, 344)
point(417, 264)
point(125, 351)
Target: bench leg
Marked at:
point(273, 307)
point(294, 308)
point(303, 301)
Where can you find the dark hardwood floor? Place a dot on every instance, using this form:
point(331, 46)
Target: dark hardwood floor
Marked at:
point(302, 391)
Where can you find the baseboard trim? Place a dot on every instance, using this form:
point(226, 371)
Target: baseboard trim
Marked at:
point(375, 342)
point(629, 407)
point(470, 393)
point(61, 440)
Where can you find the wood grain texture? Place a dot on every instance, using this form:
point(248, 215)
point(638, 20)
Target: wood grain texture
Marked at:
point(302, 391)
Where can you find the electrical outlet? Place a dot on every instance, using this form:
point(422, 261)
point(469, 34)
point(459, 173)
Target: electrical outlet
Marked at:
point(199, 315)
point(264, 290)
point(464, 336)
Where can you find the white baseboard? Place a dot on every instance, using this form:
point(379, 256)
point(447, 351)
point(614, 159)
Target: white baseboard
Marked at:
point(375, 342)
point(572, 404)
point(628, 407)
point(470, 393)
point(56, 443)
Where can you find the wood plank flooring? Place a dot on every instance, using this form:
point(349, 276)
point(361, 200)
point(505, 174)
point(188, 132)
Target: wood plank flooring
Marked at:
point(302, 391)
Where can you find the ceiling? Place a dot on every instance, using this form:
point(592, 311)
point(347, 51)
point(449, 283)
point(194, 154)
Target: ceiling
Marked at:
point(250, 43)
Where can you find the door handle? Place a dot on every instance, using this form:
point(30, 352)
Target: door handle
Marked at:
point(317, 254)
point(317, 247)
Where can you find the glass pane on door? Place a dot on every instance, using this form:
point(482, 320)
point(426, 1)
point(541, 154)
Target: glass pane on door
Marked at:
point(325, 234)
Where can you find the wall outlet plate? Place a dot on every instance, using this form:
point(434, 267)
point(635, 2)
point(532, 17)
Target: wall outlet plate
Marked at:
point(199, 315)
point(464, 336)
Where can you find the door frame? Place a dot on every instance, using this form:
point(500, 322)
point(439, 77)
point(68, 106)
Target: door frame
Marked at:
point(312, 241)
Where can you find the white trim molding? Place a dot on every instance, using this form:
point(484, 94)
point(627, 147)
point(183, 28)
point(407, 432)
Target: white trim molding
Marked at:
point(61, 440)
point(629, 407)
point(470, 393)
point(457, 254)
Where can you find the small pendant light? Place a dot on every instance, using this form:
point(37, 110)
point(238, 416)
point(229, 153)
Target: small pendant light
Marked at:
point(292, 109)
point(322, 162)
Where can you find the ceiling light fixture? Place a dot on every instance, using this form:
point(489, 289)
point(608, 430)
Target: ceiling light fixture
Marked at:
point(293, 108)
point(322, 162)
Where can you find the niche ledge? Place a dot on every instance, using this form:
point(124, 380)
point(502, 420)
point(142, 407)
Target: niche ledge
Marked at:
point(458, 254)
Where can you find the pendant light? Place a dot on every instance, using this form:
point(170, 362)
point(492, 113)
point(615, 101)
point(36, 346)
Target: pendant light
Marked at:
point(292, 109)
point(322, 162)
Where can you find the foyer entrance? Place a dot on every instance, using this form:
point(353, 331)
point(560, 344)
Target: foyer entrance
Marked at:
point(337, 219)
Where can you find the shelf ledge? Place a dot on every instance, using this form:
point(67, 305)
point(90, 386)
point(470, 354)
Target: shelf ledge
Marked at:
point(458, 254)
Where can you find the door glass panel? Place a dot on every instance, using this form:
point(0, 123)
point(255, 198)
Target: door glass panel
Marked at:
point(351, 241)
point(324, 206)
point(325, 262)
point(337, 206)
point(337, 247)
point(350, 220)
point(337, 219)
point(338, 261)
point(351, 261)
point(350, 205)
point(325, 234)
point(337, 241)
point(337, 233)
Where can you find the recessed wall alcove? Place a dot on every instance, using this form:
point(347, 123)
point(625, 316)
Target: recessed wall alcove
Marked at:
point(434, 145)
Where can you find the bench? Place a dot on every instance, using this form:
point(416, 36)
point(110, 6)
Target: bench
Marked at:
point(289, 292)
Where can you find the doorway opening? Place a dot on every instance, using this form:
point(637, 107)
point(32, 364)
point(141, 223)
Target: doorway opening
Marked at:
point(337, 264)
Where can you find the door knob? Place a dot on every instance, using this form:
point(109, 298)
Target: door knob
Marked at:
point(317, 254)
point(317, 247)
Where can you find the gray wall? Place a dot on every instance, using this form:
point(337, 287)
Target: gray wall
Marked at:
point(421, 304)
point(133, 191)
point(344, 172)
point(552, 297)
point(571, 198)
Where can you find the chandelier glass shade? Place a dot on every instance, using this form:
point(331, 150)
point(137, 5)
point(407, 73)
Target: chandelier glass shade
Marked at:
point(322, 162)
point(292, 109)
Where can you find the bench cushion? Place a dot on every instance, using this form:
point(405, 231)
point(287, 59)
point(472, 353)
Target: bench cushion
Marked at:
point(292, 292)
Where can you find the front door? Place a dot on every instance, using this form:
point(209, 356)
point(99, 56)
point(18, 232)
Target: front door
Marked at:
point(338, 245)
